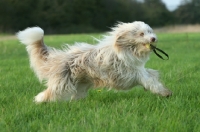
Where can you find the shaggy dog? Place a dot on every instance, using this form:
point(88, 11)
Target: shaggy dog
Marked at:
point(116, 62)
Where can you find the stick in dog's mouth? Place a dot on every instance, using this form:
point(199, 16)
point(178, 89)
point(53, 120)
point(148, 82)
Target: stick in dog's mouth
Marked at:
point(148, 46)
point(154, 50)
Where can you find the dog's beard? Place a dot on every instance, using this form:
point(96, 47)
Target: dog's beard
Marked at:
point(141, 50)
point(137, 50)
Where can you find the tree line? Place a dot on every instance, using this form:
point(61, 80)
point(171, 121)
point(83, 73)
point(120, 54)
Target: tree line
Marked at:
point(81, 16)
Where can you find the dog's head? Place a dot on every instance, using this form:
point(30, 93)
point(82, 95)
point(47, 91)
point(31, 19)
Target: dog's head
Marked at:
point(135, 37)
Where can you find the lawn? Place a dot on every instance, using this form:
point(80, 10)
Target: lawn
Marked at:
point(103, 111)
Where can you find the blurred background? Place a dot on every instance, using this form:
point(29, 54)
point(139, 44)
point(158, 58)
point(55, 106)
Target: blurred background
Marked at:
point(86, 16)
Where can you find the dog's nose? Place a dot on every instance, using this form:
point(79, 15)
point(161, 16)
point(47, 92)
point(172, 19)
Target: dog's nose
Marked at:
point(153, 39)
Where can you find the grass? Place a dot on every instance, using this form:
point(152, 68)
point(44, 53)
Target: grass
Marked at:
point(133, 111)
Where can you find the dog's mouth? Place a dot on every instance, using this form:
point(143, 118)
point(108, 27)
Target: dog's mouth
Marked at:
point(149, 46)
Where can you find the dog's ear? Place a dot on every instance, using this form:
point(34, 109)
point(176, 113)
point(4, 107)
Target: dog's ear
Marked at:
point(120, 41)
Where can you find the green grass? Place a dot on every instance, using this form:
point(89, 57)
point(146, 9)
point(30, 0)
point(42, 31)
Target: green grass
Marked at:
point(133, 111)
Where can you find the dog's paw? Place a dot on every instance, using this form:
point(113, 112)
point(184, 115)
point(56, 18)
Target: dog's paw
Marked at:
point(39, 98)
point(165, 93)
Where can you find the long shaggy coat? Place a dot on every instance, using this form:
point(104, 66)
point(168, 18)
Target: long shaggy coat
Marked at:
point(115, 62)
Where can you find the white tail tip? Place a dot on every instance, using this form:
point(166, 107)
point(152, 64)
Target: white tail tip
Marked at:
point(30, 35)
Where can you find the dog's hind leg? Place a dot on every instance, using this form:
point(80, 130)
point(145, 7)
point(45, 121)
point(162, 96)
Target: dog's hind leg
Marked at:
point(82, 90)
point(60, 88)
point(49, 95)
point(45, 96)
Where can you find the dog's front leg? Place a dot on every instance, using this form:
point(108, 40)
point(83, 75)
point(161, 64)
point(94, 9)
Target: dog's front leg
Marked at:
point(150, 81)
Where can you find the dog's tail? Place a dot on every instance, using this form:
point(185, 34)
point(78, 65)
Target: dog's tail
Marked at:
point(30, 35)
point(38, 52)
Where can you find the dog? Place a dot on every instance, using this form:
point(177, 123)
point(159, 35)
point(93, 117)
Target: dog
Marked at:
point(117, 61)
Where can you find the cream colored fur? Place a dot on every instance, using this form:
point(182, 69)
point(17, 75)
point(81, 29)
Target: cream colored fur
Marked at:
point(115, 62)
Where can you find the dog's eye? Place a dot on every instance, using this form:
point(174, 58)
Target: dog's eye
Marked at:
point(141, 34)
